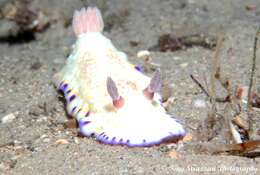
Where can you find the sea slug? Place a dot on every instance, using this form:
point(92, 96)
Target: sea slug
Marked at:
point(112, 99)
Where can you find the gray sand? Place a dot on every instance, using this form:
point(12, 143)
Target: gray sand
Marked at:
point(27, 92)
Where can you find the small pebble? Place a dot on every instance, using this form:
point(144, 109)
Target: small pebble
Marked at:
point(3, 167)
point(15, 157)
point(46, 140)
point(8, 118)
point(42, 119)
point(58, 61)
point(172, 146)
point(200, 103)
point(43, 136)
point(173, 154)
point(61, 142)
point(17, 142)
point(184, 65)
point(176, 58)
point(76, 140)
point(143, 53)
point(187, 138)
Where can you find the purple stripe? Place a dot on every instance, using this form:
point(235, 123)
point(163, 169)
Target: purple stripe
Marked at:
point(65, 86)
point(73, 109)
point(86, 122)
point(61, 85)
point(72, 98)
point(87, 114)
point(79, 110)
point(105, 139)
point(139, 68)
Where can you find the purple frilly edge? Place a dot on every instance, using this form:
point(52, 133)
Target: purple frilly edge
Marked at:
point(105, 139)
point(167, 139)
point(139, 68)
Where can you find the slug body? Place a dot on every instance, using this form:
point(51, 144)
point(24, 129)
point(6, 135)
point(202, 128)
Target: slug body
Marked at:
point(107, 95)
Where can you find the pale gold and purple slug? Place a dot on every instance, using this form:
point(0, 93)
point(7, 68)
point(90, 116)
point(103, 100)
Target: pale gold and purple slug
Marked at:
point(110, 98)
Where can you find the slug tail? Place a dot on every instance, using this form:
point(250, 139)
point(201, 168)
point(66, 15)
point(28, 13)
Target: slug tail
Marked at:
point(89, 20)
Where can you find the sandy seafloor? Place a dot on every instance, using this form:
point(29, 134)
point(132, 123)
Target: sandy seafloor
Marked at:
point(26, 89)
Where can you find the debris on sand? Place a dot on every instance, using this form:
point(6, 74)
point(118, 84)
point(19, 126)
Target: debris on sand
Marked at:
point(24, 16)
point(171, 42)
point(25, 20)
point(241, 135)
point(61, 142)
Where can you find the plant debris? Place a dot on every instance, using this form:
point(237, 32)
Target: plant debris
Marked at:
point(61, 142)
point(240, 133)
point(26, 18)
point(187, 138)
point(249, 148)
point(173, 154)
point(171, 42)
point(240, 122)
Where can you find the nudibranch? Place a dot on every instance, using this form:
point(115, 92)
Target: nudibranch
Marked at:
point(109, 97)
